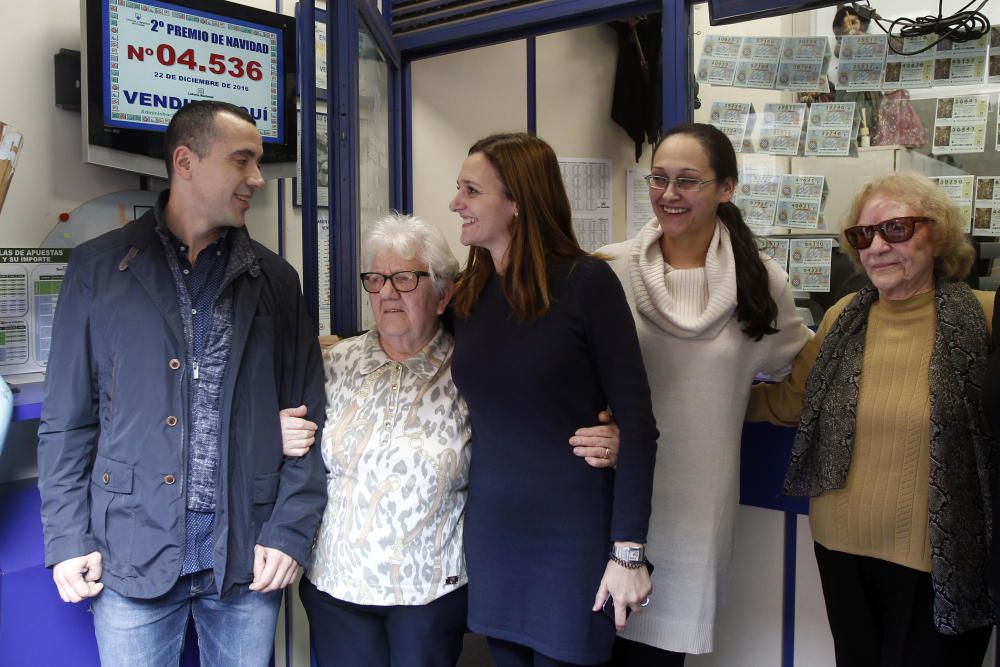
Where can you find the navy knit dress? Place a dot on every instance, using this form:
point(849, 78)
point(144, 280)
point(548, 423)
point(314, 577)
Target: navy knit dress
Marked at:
point(540, 521)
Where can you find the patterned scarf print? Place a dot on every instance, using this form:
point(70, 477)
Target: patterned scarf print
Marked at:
point(961, 474)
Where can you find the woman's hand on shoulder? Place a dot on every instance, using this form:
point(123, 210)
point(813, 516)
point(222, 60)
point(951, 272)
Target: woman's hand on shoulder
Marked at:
point(598, 445)
point(297, 433)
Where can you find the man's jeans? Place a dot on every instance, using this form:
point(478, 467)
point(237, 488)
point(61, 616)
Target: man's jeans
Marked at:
point(237, 631)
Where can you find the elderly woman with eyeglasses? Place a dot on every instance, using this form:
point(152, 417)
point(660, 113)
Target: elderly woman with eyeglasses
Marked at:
point(387, 582)
point(892, 445)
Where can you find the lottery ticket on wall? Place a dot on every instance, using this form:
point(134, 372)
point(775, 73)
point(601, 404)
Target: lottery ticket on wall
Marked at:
point(735, 120)
point(803, 64)
point(997, 144)
point(960, 63)
point(759, 185)
point(860, 75)
point(758, 63)
point(761, 49)
point(809, 264)
point(805, 49)
point(757, 199)
point(806, 77)
point(986, 216)
point(751, 74)
point(960, 124)
point(832, 128)
point(800, 201)
point(798, 214)
point(781, 131)
point(803, 188)
point(757, 212)
point(909, 71)
point(719, 56)
point(776, 249)
point(862, 62)
point(960, 190)
point(993, 63)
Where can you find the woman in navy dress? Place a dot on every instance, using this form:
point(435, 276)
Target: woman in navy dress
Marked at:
point(544, 339)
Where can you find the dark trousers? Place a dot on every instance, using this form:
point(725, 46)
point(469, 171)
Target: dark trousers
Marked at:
point(509, 654)
point(628, 653)
point(343, 633)
point(881, 615)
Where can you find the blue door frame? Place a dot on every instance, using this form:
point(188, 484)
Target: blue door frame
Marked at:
point(342, 23)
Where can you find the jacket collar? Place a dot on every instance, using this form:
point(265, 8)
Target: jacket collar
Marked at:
point(141, 234)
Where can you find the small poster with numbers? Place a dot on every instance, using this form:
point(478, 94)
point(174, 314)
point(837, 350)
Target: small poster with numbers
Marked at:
point(30, 280)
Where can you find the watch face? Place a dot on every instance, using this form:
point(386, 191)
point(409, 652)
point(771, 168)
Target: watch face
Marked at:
point(630, 554)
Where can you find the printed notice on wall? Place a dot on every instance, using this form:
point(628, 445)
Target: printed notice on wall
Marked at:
point(638, 206)
point(960, 191)
point(588, 185)
point(30, 279)
point(960, 124)
point(325, 281)
point(809, 264)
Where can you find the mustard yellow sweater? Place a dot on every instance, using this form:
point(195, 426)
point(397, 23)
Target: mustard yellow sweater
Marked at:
point(882, 510)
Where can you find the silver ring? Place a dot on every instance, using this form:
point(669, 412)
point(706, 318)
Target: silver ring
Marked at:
point(644, 603)
point(607, 453)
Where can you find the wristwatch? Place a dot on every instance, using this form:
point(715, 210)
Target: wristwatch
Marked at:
point(629, 557)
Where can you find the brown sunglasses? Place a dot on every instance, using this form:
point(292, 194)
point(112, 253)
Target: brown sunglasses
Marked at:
point(895, 230)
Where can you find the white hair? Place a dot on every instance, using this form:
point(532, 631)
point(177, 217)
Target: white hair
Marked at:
point(410, 237)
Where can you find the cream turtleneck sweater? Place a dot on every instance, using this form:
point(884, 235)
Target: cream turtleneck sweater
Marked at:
point(700, 367)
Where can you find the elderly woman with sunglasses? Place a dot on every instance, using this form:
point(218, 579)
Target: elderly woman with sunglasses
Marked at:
point(892, 445)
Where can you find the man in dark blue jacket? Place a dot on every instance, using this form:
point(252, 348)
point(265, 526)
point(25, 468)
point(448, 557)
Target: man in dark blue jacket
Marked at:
point(177, 340)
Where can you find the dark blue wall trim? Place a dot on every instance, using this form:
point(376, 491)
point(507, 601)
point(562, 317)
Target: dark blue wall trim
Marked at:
point(788, 592)
point(380, 31)
point(342, 55)
point(532, 86)
point(281, 192)
point(307, 121)
point(676, 66)
point(406, 86)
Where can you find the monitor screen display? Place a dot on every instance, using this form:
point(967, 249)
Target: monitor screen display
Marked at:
point(146, 59)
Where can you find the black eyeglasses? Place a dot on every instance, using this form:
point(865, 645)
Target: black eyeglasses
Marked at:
point(895, 230)
point(403, 281)
point(658, 182)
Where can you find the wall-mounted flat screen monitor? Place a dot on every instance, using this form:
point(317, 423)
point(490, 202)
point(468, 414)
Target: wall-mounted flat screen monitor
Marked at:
point(143, 60)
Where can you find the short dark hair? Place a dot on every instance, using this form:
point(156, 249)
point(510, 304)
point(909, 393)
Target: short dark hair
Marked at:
point(194, 126)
